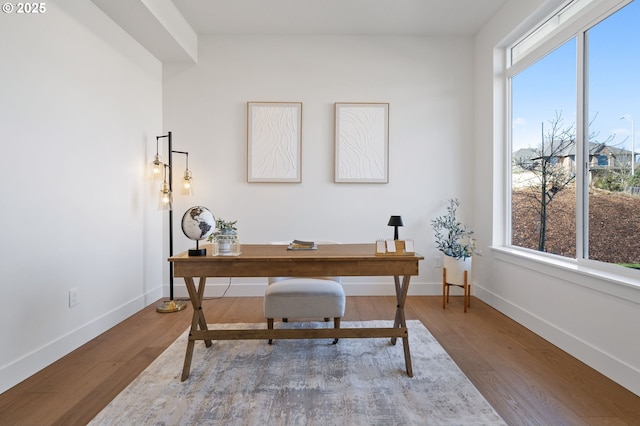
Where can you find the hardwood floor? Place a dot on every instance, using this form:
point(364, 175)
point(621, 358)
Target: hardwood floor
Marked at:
point(526, 379)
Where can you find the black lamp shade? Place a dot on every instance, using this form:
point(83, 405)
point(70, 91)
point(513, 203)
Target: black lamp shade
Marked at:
point(395, 221)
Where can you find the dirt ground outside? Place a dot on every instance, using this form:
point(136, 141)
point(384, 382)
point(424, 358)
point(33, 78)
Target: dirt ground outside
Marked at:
point(614, 224)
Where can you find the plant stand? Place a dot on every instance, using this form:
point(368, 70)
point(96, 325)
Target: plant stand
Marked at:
point(458, 277)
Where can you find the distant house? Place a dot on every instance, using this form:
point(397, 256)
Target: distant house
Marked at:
point(601, 156)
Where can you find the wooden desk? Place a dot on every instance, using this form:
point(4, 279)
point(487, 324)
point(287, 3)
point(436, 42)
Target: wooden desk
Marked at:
point(276, 261)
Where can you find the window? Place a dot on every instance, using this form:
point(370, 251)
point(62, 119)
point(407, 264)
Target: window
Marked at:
point(603, 160)
point(543, 186)
point(547, 29)
point(574, 87)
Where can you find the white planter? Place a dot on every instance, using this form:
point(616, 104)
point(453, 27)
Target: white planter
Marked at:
point(226, 243)
point(455, 269)
point(224, 246)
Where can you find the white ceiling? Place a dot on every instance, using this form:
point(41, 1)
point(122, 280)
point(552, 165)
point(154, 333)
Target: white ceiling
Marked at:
point(169, 29)
point(322, 17)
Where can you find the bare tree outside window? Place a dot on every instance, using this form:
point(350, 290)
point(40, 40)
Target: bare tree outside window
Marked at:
point(550, 169)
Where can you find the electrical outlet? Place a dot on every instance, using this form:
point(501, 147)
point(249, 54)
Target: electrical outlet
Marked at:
point(437, 262)
point(74, 297)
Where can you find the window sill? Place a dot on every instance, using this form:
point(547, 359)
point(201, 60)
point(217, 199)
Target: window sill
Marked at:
point(608, 279)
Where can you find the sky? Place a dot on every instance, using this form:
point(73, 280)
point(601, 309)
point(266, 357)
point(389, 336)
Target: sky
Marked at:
point(549, 86)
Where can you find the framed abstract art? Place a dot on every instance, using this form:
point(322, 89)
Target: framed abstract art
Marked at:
point(362, 142)
point(274, 141)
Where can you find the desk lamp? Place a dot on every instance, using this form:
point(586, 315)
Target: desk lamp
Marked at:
point(395, 221)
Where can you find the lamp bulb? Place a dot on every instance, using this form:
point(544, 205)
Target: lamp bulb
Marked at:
point(187, 181)
point(165, 193)
point(156, 165)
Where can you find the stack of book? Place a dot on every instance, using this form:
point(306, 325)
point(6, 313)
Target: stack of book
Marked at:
point(302, 245)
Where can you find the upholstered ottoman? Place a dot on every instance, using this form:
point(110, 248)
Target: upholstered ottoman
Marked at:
point(289, 297)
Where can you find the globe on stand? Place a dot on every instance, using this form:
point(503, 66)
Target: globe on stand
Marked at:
point(197, 224)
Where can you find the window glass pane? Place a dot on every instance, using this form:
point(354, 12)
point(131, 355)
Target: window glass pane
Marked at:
point(543, 98)
point(614, 109)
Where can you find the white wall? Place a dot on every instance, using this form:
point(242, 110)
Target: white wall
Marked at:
point(80, 106)
point(426, 81)
point(591, 315)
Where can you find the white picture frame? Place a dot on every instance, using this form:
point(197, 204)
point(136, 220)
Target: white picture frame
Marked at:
point(274, 141)
point(361, 142)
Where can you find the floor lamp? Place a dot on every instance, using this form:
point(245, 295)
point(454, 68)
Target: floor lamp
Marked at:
point(166, 203)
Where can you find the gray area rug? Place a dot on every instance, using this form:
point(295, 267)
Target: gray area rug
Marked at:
point(303, 382)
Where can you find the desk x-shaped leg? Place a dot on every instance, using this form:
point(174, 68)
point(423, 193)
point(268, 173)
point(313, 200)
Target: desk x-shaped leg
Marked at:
point(400, 322)
point(198, 319)
point(199, 325)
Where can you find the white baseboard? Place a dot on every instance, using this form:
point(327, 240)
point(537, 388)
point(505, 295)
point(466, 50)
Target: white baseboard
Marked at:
point(613, 368)
point(24, 367)
point(248, 289)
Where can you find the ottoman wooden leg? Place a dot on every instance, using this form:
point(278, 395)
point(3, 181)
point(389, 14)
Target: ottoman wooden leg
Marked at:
point(336, 324)
point(270, 327)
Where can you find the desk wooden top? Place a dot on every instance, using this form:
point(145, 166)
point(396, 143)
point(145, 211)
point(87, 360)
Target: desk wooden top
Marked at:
point(279, 251)
point(262, 260)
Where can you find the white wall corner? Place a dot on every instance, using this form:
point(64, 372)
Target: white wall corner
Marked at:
point(157, 25)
